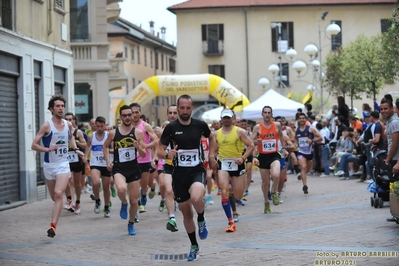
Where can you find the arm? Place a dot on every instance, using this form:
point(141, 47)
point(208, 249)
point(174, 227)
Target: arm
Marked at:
point(81, 142)
point(153, 137)
point(376, 106)
point(394, 147)
point(316, 134)
point(72, 141)
point(43, 131)
point(88, 148)
point(106, 144)
point(212, 146)
point(139, 143)
point(213, 149)
point(247, 141)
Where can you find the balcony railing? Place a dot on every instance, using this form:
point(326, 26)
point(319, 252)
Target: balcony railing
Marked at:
point(81, 53)
point(212, 48)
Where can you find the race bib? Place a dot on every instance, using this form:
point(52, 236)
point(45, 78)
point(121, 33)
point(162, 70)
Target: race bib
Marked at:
point(269, 145)
point(228, 164)
point(72, 157)
point(302, 142)
point(127, 154)
point(61, 151)
point(97, 158)
point(188, 158)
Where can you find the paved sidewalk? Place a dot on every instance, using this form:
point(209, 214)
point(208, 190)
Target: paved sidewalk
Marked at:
point(334, 219)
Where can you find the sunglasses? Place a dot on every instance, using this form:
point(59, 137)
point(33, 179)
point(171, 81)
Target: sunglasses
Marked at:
point(126, 115)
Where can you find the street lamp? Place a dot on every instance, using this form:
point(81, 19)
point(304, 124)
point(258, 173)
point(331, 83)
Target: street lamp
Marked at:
point(315, 52)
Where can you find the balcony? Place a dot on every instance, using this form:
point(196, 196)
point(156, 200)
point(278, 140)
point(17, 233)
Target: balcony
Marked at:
point(113, 12)
point(90, 56)
point(117, 75)
point(212, 48)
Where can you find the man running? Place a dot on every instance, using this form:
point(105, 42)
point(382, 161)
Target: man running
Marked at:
point(98, 166)
point(306, 136)
point(267, 135)
point(230, 141)
point(189, 172)
point(55, 134)
point(128, 142)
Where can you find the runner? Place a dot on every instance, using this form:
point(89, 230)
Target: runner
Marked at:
point(189, 172)
point(230, 141)
point(128, 142)
point(248, 162)
point(55, 134)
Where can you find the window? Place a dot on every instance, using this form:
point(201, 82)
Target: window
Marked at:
point(167, 63)
point(138, 54)
point(212, 38)
point(283, 75)
point(172, 65)
point(216, 70)
point(132, 53)
point(6, 18)
point(282, 36)
point(156, 61)
point(79, 20)
point(336, 41)
point(145, 56)
point(385, 25)
point(151, 59)
point(125, 55)
point(162, 62)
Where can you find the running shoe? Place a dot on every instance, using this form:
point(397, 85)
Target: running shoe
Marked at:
point(51, 231)
point(107, 213)
point(142, 209)
point(151, 194)
point(279, 197)
point(231, 228)
point(339, 173)
point(123, 211)
point(143, 198)
point(246, 193)
point(239, 202)
point(92, 197)
point(275, 199)
point(136, 218)
point(210, 199)
point(97, 207)
point(267, 208)
point(193, 254)
point(269, 195)
point(235, 218)
point(113, 191)
point(202, 230)
point(244, 197)
point(161, 206)
point(299, 176)
point(305, 189)
point(68, 205)
point(171, 225)
point(76, 208)
point(130, 229)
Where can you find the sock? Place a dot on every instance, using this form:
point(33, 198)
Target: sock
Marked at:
point(106, 207)
point(200, 217)
point(193, 239)
point(172, 216)
point(232, 202)
point(153, 189)
point(296, 168)
point(69, 197)
point(131, 222)
point(53, 225)
point(227, 208)
point(77, 201)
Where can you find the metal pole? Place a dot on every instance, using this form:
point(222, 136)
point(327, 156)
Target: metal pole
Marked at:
point(279, 57)
point(321, 73)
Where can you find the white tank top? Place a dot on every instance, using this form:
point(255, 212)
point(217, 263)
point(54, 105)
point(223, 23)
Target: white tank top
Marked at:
point(97, 155)
point(59, 138)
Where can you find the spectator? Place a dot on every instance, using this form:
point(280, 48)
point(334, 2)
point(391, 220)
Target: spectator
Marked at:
point(343, 110)
point(355, 123)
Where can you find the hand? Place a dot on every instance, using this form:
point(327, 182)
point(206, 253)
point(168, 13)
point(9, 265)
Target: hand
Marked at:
point(80, 153)
point(154, 163)
point(395, 169)
point(213, 164)
point(109, 166)
point(52, 147)
point(171, 154)
point(255, 161)
point(239, 161)
point(136, 144)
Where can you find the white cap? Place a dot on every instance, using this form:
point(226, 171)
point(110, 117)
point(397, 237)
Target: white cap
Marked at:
point(227, 112)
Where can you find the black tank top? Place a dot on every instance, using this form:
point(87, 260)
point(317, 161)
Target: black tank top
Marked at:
point(123, 145)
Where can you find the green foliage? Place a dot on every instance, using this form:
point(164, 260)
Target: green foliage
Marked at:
point(316, 100)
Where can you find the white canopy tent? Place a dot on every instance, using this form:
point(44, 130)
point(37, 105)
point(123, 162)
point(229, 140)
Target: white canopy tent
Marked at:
point(282, 106)
point(211, 115)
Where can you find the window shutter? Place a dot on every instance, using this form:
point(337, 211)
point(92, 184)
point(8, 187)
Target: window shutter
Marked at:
point(204, 27)
point(221, 32)
point(222, 71)
point(274, 39)
point(290, 34)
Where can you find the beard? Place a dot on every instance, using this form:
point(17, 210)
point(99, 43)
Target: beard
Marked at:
point(185, 117)
point(127, 123)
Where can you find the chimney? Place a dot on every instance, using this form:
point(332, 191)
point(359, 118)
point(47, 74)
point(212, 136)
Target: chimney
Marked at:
point(152, 27)
point(163, 31)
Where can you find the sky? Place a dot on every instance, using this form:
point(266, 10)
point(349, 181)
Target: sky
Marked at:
point(143, 11)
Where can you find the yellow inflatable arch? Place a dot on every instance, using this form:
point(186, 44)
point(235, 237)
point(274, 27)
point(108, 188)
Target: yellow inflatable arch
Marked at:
point(216, 86)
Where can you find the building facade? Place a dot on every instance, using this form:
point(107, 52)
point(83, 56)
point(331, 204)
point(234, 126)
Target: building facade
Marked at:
point(239, 40)
point(35, 63)
point(144, 54)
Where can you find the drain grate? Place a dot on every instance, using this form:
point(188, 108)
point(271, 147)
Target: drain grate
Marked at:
point(169, 256)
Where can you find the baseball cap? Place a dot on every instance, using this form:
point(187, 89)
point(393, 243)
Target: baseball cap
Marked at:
point(227, 112)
